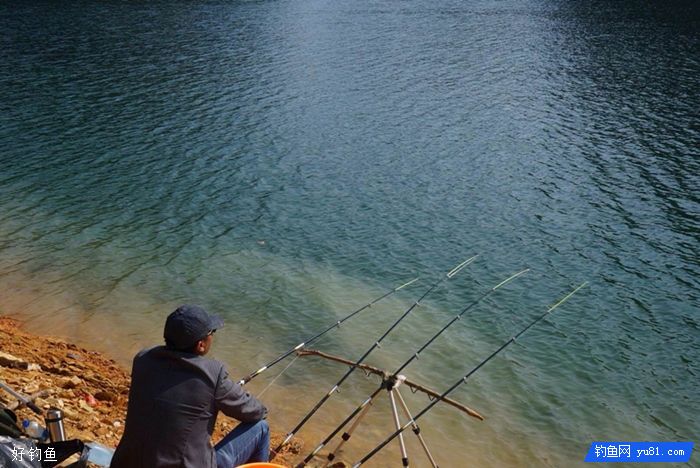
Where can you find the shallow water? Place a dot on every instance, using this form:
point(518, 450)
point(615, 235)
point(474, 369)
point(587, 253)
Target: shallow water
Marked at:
point(283, 163)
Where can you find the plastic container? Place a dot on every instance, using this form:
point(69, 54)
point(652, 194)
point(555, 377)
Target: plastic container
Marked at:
point(35, 430)
point(99, 454)
point(261, 465)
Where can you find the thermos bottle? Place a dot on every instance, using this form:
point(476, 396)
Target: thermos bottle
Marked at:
point(54, 424)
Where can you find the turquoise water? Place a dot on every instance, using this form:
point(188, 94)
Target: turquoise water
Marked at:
point(283, 163)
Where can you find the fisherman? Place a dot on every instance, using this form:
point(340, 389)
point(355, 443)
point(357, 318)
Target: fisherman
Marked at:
point(175, 396)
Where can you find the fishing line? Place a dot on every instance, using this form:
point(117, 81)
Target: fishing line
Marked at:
point(464, 379)
point(278, 376)
point(279, 358)
point(336, 387)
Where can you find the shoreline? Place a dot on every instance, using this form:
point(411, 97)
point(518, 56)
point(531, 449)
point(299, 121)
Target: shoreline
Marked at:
point(117, 339)
point(87, 385)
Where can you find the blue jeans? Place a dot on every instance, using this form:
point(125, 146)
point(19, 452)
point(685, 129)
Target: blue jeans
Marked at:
point(246, 443)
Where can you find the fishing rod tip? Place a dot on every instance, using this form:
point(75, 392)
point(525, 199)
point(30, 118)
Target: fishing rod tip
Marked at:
point(407, 284)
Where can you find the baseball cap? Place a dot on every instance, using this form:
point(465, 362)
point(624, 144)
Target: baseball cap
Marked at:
point(188, 324)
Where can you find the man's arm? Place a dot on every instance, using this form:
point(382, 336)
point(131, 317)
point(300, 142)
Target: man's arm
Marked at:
point(234, 401)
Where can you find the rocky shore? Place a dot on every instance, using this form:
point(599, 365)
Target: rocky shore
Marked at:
point(90, 388)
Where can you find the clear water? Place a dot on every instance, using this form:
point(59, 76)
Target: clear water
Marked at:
point(283, 163)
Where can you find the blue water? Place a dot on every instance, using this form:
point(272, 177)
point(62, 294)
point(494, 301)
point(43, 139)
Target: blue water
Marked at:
point(283, 163)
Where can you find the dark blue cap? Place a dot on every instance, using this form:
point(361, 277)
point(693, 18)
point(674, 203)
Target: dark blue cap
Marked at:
point(188, 324)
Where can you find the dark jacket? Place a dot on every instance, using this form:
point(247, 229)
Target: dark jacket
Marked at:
point(173, 403)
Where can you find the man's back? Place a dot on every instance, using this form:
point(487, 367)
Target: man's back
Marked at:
point(173, 402)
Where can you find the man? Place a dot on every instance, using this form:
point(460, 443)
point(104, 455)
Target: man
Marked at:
point(175, 396)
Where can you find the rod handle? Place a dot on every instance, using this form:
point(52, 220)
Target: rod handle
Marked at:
point(34, 408)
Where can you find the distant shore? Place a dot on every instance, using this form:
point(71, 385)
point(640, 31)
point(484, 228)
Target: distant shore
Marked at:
point(90, 388)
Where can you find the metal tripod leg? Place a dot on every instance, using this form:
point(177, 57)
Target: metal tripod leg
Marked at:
point(347, 434)
point(402, 444)
point(416, 429)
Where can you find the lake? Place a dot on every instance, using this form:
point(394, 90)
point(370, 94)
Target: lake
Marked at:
point(283, 163)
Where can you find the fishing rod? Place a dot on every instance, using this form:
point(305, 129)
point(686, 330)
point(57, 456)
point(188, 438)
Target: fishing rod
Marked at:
point(325, 398)
point(22, 399)
point(464, 379)
point(391, 382)
point(250, 377)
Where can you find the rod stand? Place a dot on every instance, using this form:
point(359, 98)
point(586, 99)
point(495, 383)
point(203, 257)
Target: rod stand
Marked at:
point(415, 387)
point(392, 382)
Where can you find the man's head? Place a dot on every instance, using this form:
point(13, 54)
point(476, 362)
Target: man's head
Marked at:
point(190, 328)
